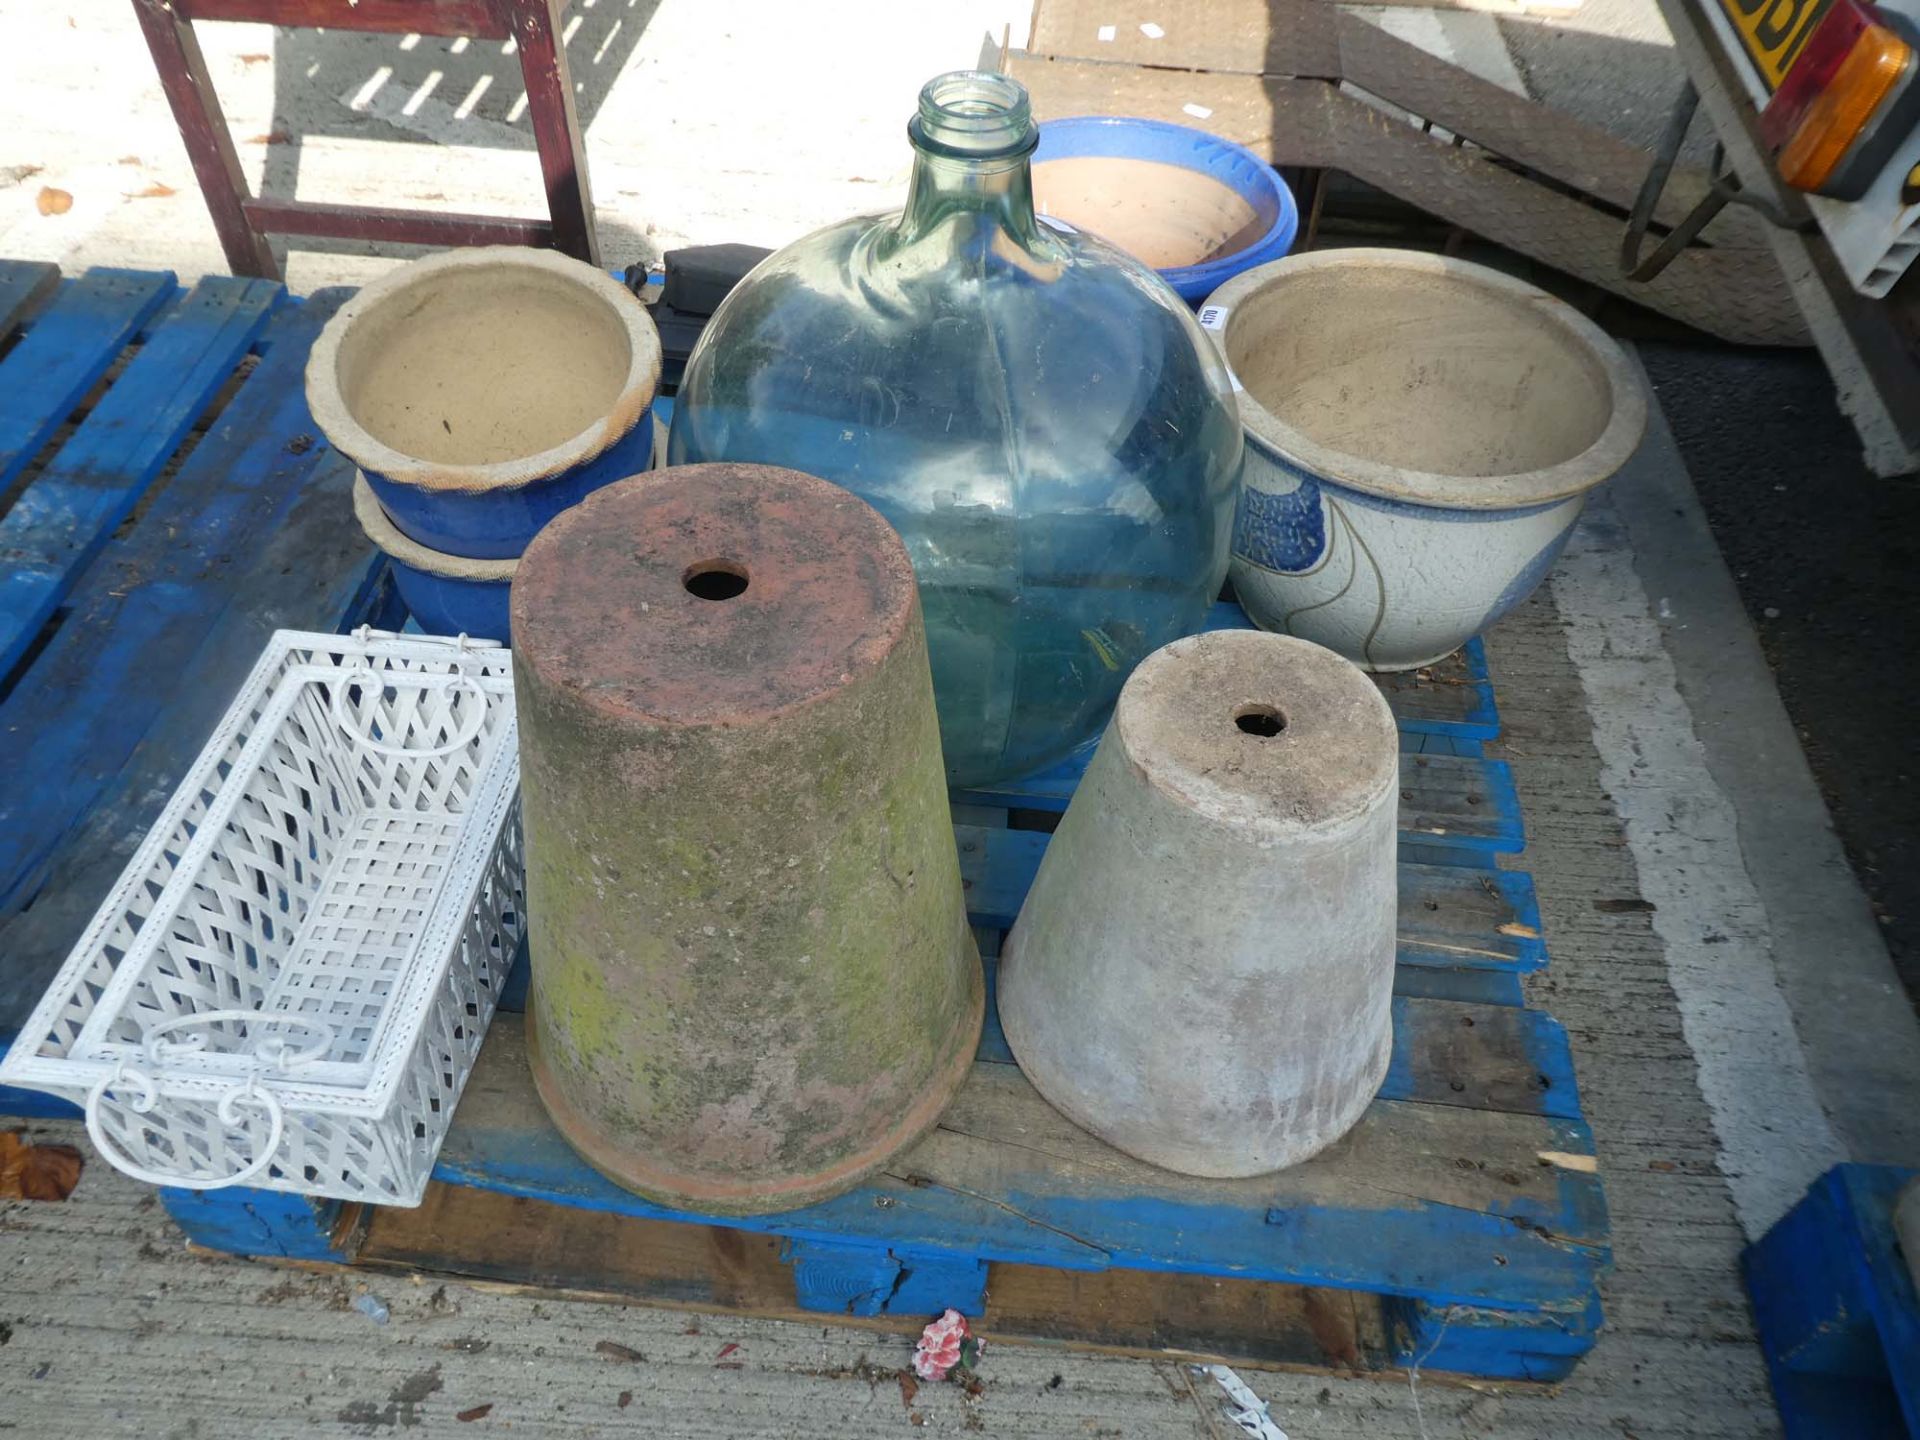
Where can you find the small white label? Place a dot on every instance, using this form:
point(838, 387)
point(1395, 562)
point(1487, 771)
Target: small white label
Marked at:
point(1199, 112)
point(1107, 32)
point(1214, 318)
point(1151, 30)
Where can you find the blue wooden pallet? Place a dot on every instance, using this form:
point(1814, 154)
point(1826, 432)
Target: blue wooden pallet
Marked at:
point(137, 592)
point(1838, 1316)
point(1465, 1208)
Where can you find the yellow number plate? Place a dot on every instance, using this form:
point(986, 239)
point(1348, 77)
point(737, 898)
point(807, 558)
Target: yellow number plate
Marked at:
point(1773, 32)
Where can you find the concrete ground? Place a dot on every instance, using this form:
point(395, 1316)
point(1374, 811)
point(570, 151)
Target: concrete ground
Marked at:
point(1736, 1023)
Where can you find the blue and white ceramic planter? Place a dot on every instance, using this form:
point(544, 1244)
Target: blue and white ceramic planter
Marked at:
point(446, 594)
point(1118, 137)
point(1422, 434)
point(482, 392)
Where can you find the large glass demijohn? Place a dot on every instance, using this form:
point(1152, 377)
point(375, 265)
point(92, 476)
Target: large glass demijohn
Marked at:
point(1035, 412)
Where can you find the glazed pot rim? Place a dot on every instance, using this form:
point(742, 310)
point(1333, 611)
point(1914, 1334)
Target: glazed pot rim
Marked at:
point(1286, 219)
point(410, 552)
point(350, 438)
point(1610, 450)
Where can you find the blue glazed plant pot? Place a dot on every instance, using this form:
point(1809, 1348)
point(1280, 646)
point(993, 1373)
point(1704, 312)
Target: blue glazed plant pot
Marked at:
point(446, 594)
point(1422, 433)
point(482, 392)
point(1161, 192)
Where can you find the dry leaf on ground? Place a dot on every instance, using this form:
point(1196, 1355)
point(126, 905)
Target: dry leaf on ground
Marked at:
point(36, 1172)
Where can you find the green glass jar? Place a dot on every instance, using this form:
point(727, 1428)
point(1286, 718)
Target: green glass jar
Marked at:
point(1036, 413)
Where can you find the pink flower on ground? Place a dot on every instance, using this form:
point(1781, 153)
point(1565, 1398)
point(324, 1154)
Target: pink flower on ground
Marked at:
point(940, 1346)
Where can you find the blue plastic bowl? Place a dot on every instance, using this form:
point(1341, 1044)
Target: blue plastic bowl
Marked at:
point(446, 594)
point(1235, 166)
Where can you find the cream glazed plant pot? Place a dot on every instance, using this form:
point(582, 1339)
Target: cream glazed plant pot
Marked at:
point(482, 392)
point(1422, 434)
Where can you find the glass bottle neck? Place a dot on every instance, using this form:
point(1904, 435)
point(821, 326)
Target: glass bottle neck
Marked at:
point(998, 191)
point(971, 134)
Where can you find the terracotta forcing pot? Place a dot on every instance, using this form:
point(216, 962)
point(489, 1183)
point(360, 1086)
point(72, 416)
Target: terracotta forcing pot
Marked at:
point(753, 982)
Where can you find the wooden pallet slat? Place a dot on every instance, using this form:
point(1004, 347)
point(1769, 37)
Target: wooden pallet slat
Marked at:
point(1302, 38)
point(68, 349)
point(1460, 918)
point(24, 285)
point(1006, 1177)
point(61, 522)
point(1731, 292)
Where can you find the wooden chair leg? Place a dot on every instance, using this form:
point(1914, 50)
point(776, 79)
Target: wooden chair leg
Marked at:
point(556, 126)
point(189, 90)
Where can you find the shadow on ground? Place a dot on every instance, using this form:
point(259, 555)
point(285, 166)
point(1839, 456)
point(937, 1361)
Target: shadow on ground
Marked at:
point(1827, 560)
point(426, 90)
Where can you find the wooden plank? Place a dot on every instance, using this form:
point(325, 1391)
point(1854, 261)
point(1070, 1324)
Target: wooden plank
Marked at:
point(1461, 802)
point(182, 68)
point(66, 351)
point(556, 127)
point(1736, 294)
point(1456, 917)
point(478, 18)
point(1306, 38)
point(61, 521)
point(1578, 155)
point(1451, 697)
point(1246, 109)
point(408, 227)
point(1449, 1204)
point(1472, 987)
point(1477, 1055)
point(1452, 1205)
point(1477, 1341)
point(517, 1241)
point(1488, 1058)
point(1258, 37)
point(1451, 917)
point(25, 285)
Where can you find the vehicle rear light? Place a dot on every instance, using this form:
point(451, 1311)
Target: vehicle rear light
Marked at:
point(1853, 69)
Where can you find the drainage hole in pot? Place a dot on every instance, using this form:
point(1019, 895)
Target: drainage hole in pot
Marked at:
point(1263, 720)
point(715, 579)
